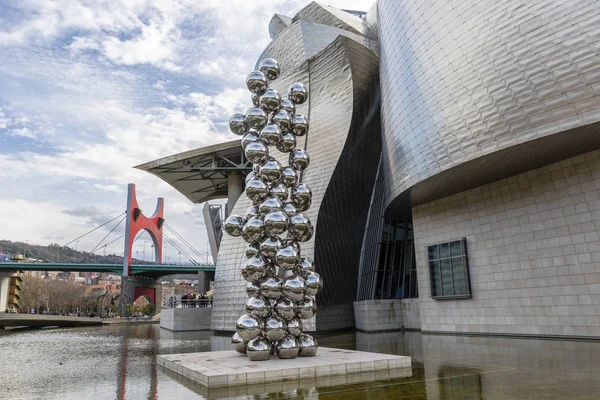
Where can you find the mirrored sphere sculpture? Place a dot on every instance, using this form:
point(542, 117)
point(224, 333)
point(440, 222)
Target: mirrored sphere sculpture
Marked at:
point(294, 326)
point(237, 124)
point(294, 287)
point(253, 230)
point(308, 346)
point(297, 93)
point(270, 68)
point(256, 118)
point(270, 101)
point(280, 191)
point(306, 308)
point(271, 287)
point(257, 82)
point(299, 125)
point(275, 328)
point(300, 227)
point(250, 136)
point(234, 225)
point(281, 283)
point(248, 326)
point(271, 135)
point(285, 308)
point(288, 347)
point(283, 120)
point(288, 106)
point(238, 343)
point(258, 306)
point(299, 159)
point(276, 223)
point(313, 282)
point(259, 349)
point(254, 269)
point(271, 172)
point(286, 143)
point(256, 152)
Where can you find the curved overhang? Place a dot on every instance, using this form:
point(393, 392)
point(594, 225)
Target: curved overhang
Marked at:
point(201, 174)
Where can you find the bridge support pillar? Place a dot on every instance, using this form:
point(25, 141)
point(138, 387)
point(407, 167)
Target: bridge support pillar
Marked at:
point(4, 287)
point(235, 188)
point(133, 287)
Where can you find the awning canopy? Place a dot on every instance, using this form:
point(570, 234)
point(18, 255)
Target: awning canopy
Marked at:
point(201, 174)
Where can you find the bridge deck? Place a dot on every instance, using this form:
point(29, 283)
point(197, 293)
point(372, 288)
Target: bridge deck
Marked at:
point(154, 270)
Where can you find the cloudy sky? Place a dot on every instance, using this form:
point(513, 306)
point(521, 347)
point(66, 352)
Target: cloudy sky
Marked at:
point(90, 88)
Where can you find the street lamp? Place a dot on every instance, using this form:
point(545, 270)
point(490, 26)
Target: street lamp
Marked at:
point(166, 255)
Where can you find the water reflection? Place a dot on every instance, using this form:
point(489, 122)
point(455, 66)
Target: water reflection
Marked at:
point(119, 362)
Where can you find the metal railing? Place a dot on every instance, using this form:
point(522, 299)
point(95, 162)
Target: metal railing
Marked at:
point(187, 303)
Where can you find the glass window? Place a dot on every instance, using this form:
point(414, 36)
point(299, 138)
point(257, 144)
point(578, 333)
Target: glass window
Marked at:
point(448, 270)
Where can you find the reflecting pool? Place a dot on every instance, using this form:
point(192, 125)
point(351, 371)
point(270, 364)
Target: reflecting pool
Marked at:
point(119, 362)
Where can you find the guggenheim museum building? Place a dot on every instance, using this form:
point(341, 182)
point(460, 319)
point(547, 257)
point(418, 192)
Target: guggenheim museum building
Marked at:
point(455, 167)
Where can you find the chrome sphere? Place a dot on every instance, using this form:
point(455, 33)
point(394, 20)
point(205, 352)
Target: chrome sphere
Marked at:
point(252, 289)
point(307, 308)
point(301, 195)
point(256, 152)
point(301, 228)
point(237, 124)
point(259, 349)
point(238, 343)
point(299, 125)
point(289, 177)
point(304, 206)
point(287, 105)
point(270, 68)
point(308, 346)
point(253, 211)
point(306, 265)
point(292, 243)
point(234, 224)
point(251, 175)
point(286, 143)
point(271, 203)
point(250, 136)
point(271, 287)
point(270, 101)
point(256, 118)
point(254, 269)
point(288, 347)
point(286, 308)
point(287, 257)
point(275, 328)
point(258, 306)
point(289, 209)
point(294, 287)
point(270, 135)
point(283, 120)
point(299, 159)
point(297, 93)
point(249, 326)
point(280, 191)
point(257, 82)
point(276, 223)
point(314, 283)
point(294, 326)
point(269, 247)
point(252, 250)
point(271, 172)
point(255, 99)
point(253, 230)
point(256, 190)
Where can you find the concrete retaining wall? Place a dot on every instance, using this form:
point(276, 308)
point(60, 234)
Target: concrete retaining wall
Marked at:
point(387, 315)
point(186, 319)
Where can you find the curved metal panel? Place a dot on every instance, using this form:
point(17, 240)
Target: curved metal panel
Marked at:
point(462, 81)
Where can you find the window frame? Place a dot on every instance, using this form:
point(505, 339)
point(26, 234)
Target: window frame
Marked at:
point(467, 277)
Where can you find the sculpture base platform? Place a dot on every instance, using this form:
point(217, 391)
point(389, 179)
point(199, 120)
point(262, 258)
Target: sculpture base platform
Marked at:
point(224, 369)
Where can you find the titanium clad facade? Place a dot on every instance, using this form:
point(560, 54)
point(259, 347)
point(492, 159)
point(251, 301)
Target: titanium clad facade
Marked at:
point(344, 146)
point(462, 81)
